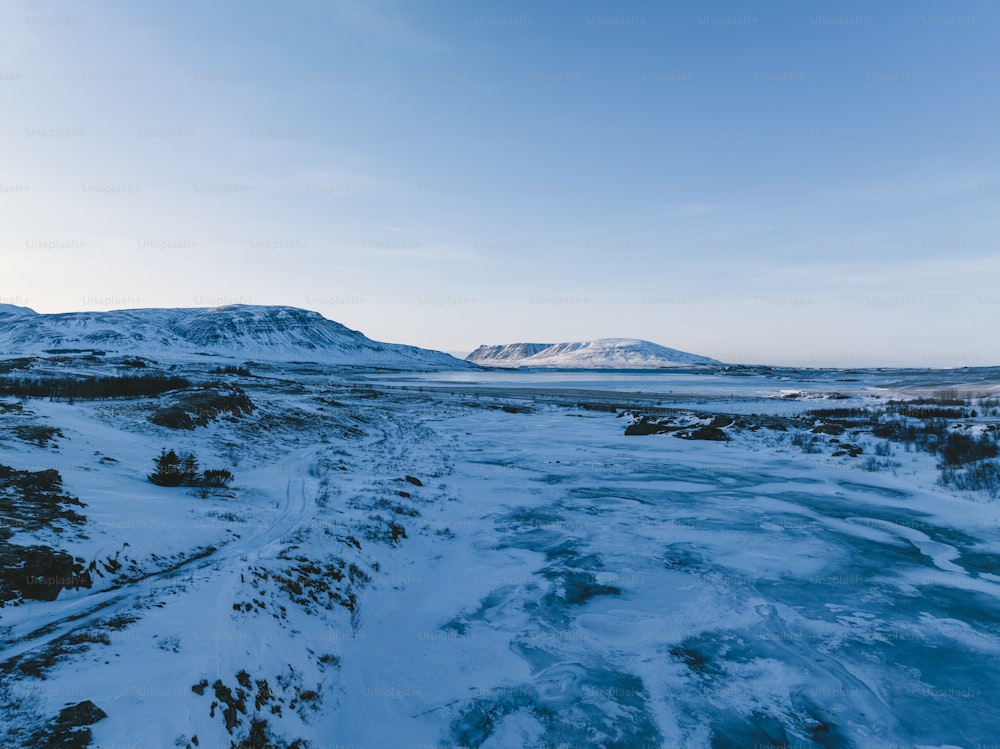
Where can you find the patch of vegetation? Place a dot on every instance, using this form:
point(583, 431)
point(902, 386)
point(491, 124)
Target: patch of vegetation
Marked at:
point(176, 470)
point(808, 442)
point(936, 437)
point(874, 465)
point(71, 728)
point(120, 621)
point(169, 643)
point(931, 412)
point(311, 584)
point(243, 371)
point(197, 408)
point(324, 584)
point(248, 725)
point(38, 573)
point(828, 428)
point(925, 435)
point(36, 663)
point(846, 448)
point(384, 530)
point(92, 388)
point(172, 417)
point(940, 398)
point(20, 708)
point(10, 365)
point(38, 435)
point(32, 501)
point(958, 448)
point(979, 477)
point(953, 426)
point(841, 413)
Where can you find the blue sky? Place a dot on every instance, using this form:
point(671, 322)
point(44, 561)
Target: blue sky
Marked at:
point(785, 182)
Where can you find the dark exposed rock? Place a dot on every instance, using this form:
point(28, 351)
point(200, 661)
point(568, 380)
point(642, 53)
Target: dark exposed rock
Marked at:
point(84, 713)
point(233, 703)
point(710, 433)
point(846, 448)
point(194, 408)
point(38, 435)
point(644, 427)
point(828, 429)
point(45, 572)
point(70, 729)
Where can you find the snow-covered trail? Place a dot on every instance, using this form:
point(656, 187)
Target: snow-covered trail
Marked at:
point(40, 628)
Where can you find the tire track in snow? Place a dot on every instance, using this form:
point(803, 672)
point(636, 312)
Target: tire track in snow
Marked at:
point(77, 613)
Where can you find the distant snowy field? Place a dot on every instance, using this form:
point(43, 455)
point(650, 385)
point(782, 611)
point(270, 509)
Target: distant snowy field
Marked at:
point(540, 580)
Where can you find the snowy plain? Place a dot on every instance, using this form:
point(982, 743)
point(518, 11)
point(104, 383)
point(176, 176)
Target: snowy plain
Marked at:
point(479, 560)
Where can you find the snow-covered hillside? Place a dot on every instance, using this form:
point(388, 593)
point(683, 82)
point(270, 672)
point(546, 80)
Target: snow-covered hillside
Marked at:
point(603, 353)
point(506, 355)
point(269, 333)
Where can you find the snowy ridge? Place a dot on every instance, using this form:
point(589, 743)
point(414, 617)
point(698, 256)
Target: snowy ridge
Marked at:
point(511, 352)
point(270, 333)
point(603, 353)
point(13, 309)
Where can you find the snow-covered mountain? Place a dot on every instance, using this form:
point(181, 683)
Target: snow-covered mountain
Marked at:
point(269, 333)
point(13, 309)
point(506, 355)
point(603, 353)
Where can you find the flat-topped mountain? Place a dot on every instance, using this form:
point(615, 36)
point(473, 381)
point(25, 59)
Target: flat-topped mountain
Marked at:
point(269, 333)
point(603, 353)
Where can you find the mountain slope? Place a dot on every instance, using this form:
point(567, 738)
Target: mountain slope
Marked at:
point(603, 353)
point(270, 333)
point(511, 352)
point(13, 309)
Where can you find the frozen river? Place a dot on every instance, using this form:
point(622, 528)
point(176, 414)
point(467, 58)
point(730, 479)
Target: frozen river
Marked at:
point(603, 590)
